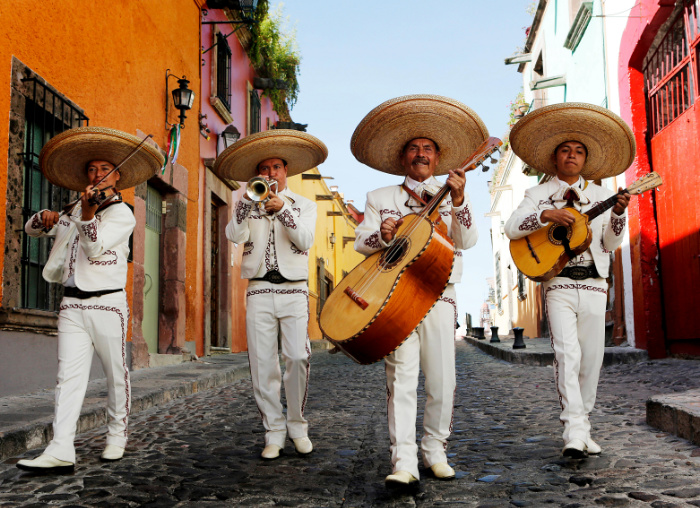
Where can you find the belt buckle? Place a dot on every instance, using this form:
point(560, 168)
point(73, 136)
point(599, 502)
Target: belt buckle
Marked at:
point(275, 277)
point(578, 272)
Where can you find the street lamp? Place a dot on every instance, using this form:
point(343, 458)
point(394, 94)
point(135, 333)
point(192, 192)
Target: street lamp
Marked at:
point(230, 135)
point(183, 97)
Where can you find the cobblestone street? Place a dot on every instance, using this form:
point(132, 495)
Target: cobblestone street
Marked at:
point(203, 450)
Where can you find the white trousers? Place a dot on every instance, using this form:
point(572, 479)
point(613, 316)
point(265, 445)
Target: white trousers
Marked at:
point(94, 324)
point(430, 347)
point(576, 314)
point(279, 310)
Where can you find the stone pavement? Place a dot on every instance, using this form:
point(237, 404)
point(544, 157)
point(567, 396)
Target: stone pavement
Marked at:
point(25, 420)
point(203, 449)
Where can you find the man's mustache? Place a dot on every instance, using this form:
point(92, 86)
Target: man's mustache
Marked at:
point(420, 160)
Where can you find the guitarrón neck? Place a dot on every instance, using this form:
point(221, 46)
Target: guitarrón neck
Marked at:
point(603, 206)
point(434, 203)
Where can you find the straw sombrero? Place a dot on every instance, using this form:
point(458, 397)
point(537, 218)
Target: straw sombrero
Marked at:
point(381, 135)
point(64, 159)
point(609, 140)
point(300, 150)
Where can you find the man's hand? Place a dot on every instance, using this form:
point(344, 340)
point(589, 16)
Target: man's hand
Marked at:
point(49, 219)
point(389, 228)
point(456, 181)
point(559, 216)
point(88, 209)
point(274, 204)
point(622, 201)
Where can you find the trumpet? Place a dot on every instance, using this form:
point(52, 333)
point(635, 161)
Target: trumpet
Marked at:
point(258, 188)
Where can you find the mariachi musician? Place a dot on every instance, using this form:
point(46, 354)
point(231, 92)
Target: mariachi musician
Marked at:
point(276, 227)
point(575, 143)
point(89, 258)
point(419, 137)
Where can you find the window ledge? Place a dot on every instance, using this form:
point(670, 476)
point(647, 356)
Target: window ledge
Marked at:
point(221, 109)
point(12, 318)
point(578, 27)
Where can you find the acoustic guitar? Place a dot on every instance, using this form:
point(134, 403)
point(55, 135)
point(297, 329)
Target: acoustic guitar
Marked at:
point(544, 253)
point(375, 308)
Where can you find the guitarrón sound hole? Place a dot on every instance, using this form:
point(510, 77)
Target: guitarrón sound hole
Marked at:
point(394, 254)
point(560, 233)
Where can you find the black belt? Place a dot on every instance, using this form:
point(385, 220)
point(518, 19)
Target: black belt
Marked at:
point(73, 292)
point(274, 277)
point(579, 272)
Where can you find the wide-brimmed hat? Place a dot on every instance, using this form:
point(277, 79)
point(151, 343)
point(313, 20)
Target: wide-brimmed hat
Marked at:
point(64, 159)
point(608, 139)
point(300, 150)
point(379, 139)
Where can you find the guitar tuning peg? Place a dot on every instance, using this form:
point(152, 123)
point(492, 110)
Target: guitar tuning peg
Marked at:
point(492, 160)
point(484, 168)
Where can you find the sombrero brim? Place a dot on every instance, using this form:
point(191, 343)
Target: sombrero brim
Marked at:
point(63, 160)
point(608, 139)
point(381, 136)
point(300, 150)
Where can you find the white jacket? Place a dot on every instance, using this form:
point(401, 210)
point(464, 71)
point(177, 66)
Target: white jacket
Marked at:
point(607, 229)
point(94, 251)
point(392, 202)
point(293, 234)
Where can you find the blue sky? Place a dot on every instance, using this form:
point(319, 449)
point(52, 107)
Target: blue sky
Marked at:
point(358, 54)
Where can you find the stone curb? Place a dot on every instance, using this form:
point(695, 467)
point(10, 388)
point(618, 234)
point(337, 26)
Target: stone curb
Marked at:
point(538, 352)
point(677, 413)
point(31, 426)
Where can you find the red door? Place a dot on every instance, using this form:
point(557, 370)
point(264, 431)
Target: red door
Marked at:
point(676, 157)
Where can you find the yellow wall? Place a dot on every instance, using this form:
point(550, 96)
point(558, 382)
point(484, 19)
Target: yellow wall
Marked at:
point(339, 257)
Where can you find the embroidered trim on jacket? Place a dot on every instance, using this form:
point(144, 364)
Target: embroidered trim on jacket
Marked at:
point(386, 211)
point(247, 248)
point(617, 225)
point(71, 261)
point(530, 223)
point(451, 302)
point(90, 230)
point(106, 262)
point(372, 241)
point(287, 219)
point(464, 217)
point(37, 222)
point(242, 210)
point(297, 251)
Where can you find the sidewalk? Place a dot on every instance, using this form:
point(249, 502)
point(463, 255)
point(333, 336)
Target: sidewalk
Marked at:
point(676, 413)
point(25, 420)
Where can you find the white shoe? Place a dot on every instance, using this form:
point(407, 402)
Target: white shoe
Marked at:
point(401, 478)
point(575, 449)
point(46, 463)
point(271, 452)
point(303, 445)
point(593, 447)
point(443, 471)
point(112, 453)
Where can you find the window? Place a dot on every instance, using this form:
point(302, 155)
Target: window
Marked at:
point(46, 114)
point(325, 283)
point(668, 72)
point(254, 112)
point(223, 71)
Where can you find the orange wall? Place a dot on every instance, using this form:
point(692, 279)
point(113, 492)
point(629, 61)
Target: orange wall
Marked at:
point(110, 59)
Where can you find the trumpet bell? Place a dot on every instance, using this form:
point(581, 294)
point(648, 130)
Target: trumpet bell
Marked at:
point(258, 188)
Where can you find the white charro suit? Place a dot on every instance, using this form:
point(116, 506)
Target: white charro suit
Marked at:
point(431, 346)
point(91, 255)
point(277, 242)
point(575, 308)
